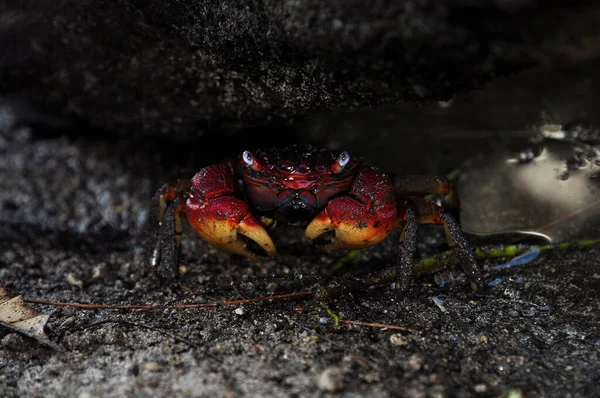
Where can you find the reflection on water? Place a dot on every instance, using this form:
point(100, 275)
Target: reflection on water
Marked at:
point(555, 195)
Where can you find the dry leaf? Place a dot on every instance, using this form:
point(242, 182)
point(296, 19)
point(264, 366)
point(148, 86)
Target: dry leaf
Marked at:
point(21, 318)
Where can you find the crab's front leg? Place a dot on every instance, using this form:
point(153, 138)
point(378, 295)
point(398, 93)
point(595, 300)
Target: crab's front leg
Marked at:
point(362, 218)
point(221, 218)
point(208, 202)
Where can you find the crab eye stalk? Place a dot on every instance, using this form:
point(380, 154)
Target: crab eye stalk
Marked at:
point(342, 160)
point(250, 160)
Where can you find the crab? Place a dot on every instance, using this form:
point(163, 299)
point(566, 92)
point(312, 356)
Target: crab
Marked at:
point(341, 203)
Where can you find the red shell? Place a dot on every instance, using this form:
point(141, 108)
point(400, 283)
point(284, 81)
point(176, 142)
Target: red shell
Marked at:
point(303, 173)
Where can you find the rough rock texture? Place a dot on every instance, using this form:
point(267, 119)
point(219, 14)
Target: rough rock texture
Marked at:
point(191, 68)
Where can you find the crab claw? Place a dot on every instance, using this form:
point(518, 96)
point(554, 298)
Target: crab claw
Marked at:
point(349, 224)
point(226, 222)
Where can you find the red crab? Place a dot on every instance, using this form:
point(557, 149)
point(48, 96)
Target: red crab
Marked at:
point(341, 203)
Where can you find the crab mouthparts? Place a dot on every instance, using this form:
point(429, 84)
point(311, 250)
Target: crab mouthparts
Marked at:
point(297, 208)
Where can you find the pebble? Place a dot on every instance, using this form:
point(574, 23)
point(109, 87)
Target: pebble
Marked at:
point(74, 281)
point(398, 339)
point(152, 367)
point(415, 362)
point(330, 379)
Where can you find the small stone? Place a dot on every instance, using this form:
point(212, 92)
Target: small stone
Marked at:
point(483, 338)
point(152, 367)
point(74, 281)
point(99, 271)
point(415, 362)
point(398, 339)
point(330, 379)
point(239, 311)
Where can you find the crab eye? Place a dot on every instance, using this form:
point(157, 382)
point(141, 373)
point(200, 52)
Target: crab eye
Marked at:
point(342, 160)
point(251, 161)
point(248, 158)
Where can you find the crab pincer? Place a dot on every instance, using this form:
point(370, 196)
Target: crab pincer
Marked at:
point(222, 219)
point(226, 222)
point(362, 218)
point(208, 203)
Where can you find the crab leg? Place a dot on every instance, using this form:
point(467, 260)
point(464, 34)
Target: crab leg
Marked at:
point(166, 239)
point(407, 249)
point(423, 211)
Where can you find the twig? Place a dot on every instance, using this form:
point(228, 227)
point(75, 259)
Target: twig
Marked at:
point(150, 307)
point(380, 325)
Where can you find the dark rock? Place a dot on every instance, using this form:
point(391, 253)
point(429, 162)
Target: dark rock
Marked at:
point(191, 68)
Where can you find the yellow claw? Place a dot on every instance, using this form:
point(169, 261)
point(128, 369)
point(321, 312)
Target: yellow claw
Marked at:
point(225, 234)
point(348, 234)
point(256, 232)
